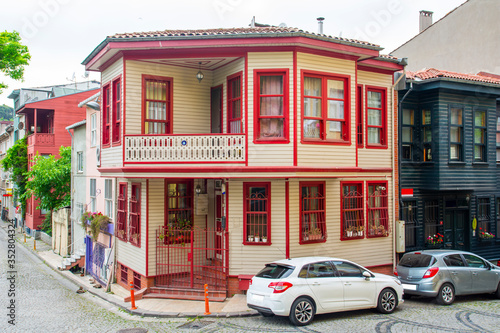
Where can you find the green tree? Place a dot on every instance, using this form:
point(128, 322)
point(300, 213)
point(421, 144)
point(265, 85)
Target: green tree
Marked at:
point(50, 180)
point(14, 56)
point(16, 160)
point(6, 112)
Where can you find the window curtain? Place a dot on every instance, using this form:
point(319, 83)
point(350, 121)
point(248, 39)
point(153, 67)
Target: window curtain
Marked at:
point(312, 107)
point(156, 106)
point(271, 106)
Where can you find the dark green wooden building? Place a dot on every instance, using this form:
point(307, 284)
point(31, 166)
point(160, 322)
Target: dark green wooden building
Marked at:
point(449, 149)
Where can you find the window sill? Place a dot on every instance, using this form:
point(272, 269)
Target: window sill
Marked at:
point(325, 142)
point(408, 162)
point(352, 238)
point(267, 243)
point(480, 163)
point(457, 163)
point(377, 236)
point(271, 141)
point(314, 241)
point(374, 146)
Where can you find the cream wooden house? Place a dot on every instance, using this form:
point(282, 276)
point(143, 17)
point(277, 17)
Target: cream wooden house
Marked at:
point(230, 148)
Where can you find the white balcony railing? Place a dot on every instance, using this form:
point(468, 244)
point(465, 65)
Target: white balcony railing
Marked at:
point(185, 148)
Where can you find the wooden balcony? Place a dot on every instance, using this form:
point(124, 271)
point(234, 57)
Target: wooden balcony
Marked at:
point(41, 139)
point(185, 148)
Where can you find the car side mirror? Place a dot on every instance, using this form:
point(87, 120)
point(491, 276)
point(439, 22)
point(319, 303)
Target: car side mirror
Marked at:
point(367, 275)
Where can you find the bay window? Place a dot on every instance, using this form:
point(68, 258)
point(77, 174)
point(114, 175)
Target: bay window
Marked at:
point(376, 114)
point(352, 211)
point(312, 212)
point(157, 105)
point(377, 210)
point(271, 116)
point(325, 108)
point(257, 213)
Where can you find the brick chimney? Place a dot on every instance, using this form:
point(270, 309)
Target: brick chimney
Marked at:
point(425, 20)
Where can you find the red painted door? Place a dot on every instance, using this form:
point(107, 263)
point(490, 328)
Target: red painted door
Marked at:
point(218, 225)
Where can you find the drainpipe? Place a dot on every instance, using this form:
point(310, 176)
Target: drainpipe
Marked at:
point(72, 250)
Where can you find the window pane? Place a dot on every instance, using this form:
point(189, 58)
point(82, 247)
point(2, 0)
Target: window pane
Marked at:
point(478, 135)
point(271, 128)
point(407, 117)
point(407, 134)
point(271, 85)
point(336, 89)
point(455, 134)
point(427, 134)
point(312, 86)
point(456, 116)
point(271, 106)
point(374, 99)
point(454, 152)
point(426, 117)
point(478, 152)
point(374, 117)
point(312, 107)
point(334, 130)
point(373, 135)
point(311, 128)
point(480, 118)
point(336, 109)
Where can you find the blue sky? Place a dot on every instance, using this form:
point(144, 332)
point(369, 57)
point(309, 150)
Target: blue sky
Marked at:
point(61, 33)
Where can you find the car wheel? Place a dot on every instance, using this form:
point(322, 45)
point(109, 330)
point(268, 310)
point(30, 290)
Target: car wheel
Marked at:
point(387, 301)
point(302, 311)
point(446, 294)
point(266, 314)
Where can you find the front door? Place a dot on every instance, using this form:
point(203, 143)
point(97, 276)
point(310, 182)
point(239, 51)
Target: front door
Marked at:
point(216, 110)
point(218, 224)
point(455, 222)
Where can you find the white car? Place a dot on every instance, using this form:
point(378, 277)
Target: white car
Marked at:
point(302, 287)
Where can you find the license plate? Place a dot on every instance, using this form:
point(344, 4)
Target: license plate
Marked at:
point(409, 286)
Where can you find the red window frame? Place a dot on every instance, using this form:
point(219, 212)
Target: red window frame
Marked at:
point(256, 207)
point(352, 211)
point(377, 207)
point(174, 232)
point(359, 116)
point(135, 215)
point(124, 274)
point(106, 114)
point(117, 110)
point(383, 127)
point(168, 122)
point(312, 206)
point(257, 106)
point(346, 121)
point(121, 216)
point(234, 100)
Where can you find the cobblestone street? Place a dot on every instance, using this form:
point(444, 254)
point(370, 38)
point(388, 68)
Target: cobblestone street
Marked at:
point(47, 302)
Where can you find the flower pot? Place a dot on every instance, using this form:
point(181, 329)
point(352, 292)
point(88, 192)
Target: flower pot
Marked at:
point(256, 239)
point(349, 234)
point(264, 239)
point(360, 233)
point(250, 238)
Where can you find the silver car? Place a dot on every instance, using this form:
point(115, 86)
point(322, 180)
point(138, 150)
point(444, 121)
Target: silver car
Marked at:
point(446, 273)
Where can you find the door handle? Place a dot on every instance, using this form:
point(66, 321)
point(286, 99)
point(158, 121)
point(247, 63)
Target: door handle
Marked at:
point(315, 283)
point(454, 273)
point(347, 284)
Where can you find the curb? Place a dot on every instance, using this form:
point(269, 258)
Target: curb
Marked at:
point(138, 312)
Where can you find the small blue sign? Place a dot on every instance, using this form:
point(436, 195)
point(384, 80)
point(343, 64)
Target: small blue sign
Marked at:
point(184, 142)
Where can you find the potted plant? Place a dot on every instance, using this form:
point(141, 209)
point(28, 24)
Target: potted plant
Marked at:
point(257, 238)
point(349, 231)
point(485, 236)
point(315, 234)
point(264, 239)
point(250, 238)
point(435, 241)
point(360, 231)
point(134, 237)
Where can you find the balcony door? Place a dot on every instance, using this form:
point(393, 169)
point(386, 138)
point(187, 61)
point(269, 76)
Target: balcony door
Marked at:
point(216, 110)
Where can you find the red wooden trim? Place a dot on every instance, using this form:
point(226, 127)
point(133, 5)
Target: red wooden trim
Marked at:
point(221, 86)
point(287, 219)
point(359, 118)
point(246, 109)
point(147, 227)
point(376, 70)
point(284, 72)
point(381, 64)
point(347, 107)
point(124, 87)
point(237, 169)
point(295, 117)
point(383, 136)
point(138, 213)
point(117, 79)
point(359, 184)
point(267, 185)
point(383, 183)
point(104, 120)
point(170, 111)
point(321, 184)
point(125, 198)
point(229, 100)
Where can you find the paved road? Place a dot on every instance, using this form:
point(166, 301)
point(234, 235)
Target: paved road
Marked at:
point(46, 302)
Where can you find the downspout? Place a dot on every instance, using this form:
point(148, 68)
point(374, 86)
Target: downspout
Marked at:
point(403, 62)
point(72, 250)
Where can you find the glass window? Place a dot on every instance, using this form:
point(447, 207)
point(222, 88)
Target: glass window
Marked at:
point(431, 221)
point(79, 161)
point(179, 215)
point(407, 135)
point(346, 269)
point(409, 215)
point(377, 210)
point(121, 215)
point(257, 212)
point(93, 129)
point(324, 113)
point(484, 220)
point(427, 135)
point(93, 194)
point(498, 134)
point(106, 114)
point(480, 136)
point(117, 110)
point(157, 105)
point(416, 260)
point(456, 134)
point(352, 211)
point(275, 271)
point(108, 198)
point(234, 104)
point(473, 261)
point(135, 215)
point(376, 117)
point(272, 107)
point(312, 212)
point(454, 260)
point(321, 270)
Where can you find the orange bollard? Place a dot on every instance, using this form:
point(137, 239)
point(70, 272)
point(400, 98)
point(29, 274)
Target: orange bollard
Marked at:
point(34, 244)
point(132, 297)
point(25, 237)
point(207, 308)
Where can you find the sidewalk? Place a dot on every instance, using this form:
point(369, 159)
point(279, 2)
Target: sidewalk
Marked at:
point(231, 307)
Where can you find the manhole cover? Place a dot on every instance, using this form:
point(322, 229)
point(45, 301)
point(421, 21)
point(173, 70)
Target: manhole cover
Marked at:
point(196, 324)
point(133, 330)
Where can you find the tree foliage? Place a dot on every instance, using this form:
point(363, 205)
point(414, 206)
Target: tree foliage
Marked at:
point(16, 160)
point(50, 180)
point(6, 112)
point(14, 56)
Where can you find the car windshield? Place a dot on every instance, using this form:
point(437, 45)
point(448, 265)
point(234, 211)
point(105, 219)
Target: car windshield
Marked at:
point(275, 271)
point(416, 260)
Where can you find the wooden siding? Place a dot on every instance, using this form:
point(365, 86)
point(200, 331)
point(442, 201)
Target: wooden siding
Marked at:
point(112, 72)
point(191, 99)
point(369, 157)
point(249, 259)
point(331, 155)
point(112, 157)
point(130, 255)
point(270, 154)
point(156, 214)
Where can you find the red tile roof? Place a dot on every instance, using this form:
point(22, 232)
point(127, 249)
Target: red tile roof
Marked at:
point(232, 32)
point(432, 73)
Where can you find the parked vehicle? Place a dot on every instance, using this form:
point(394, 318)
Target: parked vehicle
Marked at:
point(302, 287)
point(446, 273)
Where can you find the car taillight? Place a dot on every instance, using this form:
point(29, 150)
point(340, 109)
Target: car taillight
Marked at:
point(279, 287)
point(396, 271)
point(431, 272)
point(251, 281)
